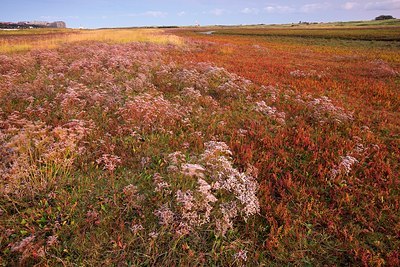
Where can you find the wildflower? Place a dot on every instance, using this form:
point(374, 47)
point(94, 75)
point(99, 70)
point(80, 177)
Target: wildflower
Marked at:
point(344, 167)
point(252, 171)
point(130, 191)
point(176, 158)
point(132, 196)
point(71, 101)
point(222, 123)
point(213, 147)
point(383, 69)
point(205, 190)
point(347, 163)
point(153, 235)
point(244, 187)
point(23, 245)
point(110, 161)
point(324, 109)
point(298, 74)
point(193, 170)
point(144, 161)
point(151, 112)
point(242, 132)
point(172, 169)
point(165, 215)
point(191, 93)
point(359, 148)
point(229, 211)
point(241, 255)
point(206, 201)
point(136, 228)
point(186, 199)
point(198, 134)
point(271, 112)
point(309, 74)
point(194, 212)
point(160, 184)
point(183, 229)
point(375, 146)
point(185, 145)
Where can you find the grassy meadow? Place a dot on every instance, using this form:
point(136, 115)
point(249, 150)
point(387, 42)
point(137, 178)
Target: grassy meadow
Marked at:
point(26, 40)
point(252, 146)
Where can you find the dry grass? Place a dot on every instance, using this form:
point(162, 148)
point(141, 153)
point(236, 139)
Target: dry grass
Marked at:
point(127, 36)
point(20, 41)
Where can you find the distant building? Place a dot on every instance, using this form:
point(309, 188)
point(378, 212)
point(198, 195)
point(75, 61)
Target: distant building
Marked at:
point(32, 24)
point(57, 24)
point(38, 23)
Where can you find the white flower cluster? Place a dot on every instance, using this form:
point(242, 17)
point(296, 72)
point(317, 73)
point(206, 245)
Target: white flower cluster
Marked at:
point(324, 109)
point(345, 166)
point(219, 167)
point(197, 207)
point(271, 112)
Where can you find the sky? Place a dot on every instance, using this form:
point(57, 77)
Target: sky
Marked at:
point(127, 13)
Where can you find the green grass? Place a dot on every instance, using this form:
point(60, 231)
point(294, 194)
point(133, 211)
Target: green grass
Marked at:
point(365, 34)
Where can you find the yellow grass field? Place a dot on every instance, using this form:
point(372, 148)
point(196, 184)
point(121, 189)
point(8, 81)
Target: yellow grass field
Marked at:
point(25, 40)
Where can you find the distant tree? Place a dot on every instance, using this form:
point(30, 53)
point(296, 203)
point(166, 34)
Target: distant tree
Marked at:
point(384, 17)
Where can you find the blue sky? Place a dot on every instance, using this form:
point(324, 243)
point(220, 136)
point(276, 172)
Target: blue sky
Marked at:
point(123, 13)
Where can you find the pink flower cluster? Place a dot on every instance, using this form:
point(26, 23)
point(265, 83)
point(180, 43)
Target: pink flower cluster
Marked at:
point(195, 208)
point(110, 162)
point(307, 74)
point(271, 112)
point(217, 160)
point(324, 111)
point(151, 112)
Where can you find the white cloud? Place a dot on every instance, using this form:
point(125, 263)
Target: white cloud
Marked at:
point(217, 12)
point(350, 5)
point(279, 9)
point(309, 8)
point(383, 5)
point(248, 10)
point(182, 13)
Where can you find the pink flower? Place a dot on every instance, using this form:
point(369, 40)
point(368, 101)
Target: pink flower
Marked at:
point(165, 215)
point(110, 162)
point(193, 170)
